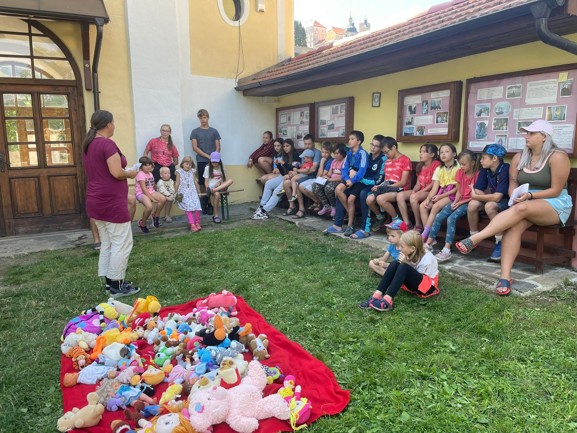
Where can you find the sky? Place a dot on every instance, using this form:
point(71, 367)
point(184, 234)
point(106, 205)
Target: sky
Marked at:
point(379, 13)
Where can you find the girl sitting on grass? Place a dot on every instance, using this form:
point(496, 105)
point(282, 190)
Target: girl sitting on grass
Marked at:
point(217, 183)
point(416, 269)
point(379, 265)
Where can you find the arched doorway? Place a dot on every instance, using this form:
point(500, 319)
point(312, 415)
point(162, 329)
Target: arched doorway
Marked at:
point(41, 178)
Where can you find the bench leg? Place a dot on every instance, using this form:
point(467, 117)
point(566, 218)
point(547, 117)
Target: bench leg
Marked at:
point(539, 252)
point(224, 207)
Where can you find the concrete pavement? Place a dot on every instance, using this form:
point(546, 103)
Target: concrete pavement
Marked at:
point(473, 267)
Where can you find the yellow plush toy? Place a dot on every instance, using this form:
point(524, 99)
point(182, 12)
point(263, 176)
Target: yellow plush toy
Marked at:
point(88, 416)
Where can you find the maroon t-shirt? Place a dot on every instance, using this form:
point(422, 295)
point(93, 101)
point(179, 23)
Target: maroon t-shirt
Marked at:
point(106, 196)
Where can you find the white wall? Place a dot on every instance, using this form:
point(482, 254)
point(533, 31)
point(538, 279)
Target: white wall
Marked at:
point(164, 90)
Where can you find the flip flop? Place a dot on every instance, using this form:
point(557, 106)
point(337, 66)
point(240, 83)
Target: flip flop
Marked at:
point(332, 230)
point(359, 234)
point(503, 287)
point(465, 246)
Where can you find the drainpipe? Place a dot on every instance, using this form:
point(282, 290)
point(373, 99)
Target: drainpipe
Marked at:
point(95, 60)
point(541, 12)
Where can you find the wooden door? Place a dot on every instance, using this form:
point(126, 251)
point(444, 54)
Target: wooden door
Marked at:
point(41, 179)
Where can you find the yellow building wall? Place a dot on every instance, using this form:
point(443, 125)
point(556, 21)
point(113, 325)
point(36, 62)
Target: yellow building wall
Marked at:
point(113, 71)
point(215, 43)
point(383, 119)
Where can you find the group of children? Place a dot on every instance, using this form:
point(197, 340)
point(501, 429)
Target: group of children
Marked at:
point(184, 190)
point(448, 187)
point(457, 187)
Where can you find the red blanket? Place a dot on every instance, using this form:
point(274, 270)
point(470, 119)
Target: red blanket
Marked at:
point(317, 381)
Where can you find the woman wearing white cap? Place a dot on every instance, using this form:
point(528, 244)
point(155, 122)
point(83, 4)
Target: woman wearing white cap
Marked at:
point(545, 168)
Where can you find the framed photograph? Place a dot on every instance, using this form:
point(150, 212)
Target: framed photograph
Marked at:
point(498, 105)
point(376, 102)
point(295, 122)
point(431, 113)
point(334, 119)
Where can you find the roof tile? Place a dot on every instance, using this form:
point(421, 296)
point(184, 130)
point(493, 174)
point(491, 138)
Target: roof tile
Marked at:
point(438, 17)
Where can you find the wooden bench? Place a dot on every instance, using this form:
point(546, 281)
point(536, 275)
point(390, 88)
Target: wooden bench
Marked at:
point(538, 246)
point(224, 211)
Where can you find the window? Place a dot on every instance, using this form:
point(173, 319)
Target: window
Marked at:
point(234, 12)
point(25, 53)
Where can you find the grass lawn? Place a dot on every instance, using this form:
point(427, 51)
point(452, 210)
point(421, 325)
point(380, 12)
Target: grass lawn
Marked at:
point(465, 361)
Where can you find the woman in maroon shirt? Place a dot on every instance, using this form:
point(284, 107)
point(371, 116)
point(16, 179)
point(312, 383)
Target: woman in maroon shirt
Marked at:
point(107, 203)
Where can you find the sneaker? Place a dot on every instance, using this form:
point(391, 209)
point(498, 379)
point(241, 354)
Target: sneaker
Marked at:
point(126, 289)
point(349, 231)
point(429, 247)
point(142, 227)
point(156, 221)
point(366, 304)
point(496, 254)
point(396, 224)
point(380, 304)
point(280, 193)
point(324, 210)
point(216, 219)
point(167, 219)
point(293, 198)
point(260, 216)
point(443, 256)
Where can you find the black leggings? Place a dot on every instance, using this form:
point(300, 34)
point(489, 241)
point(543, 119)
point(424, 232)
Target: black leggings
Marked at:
point(398, 274)
point(156, 172)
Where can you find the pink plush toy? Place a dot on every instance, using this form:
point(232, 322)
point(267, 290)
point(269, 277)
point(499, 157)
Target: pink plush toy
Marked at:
point(224, 300)
point(240, 407)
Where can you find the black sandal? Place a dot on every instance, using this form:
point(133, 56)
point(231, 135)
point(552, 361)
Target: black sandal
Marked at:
point(299, 214)
point(290, 211)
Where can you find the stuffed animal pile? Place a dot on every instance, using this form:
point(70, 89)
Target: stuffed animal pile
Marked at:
point(198, 359)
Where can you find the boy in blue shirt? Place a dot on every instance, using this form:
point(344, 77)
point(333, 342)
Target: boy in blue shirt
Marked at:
point(491, 192)
point(349, 190)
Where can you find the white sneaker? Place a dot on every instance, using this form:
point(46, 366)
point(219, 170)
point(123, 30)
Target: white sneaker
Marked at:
point(260, 216)
point(443, 256)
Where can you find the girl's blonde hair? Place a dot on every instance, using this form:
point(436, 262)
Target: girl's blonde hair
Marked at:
point(413, 239)
point(187, 159)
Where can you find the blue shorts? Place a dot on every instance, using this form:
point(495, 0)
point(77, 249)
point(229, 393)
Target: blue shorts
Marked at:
point(563, 205)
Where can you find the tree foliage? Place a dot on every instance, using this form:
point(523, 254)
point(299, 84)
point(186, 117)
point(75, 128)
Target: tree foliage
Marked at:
point(300, 35)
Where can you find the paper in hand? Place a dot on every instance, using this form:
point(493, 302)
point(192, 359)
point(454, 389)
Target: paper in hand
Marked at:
point(518, 192)
point(321, 180)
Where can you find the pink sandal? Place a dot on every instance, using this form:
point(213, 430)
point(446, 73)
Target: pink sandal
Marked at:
point(465, 246)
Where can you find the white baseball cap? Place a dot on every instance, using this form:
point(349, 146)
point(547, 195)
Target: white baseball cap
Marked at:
point(539, 126)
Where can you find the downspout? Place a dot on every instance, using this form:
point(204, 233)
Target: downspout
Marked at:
point(541, 12)
point(95, 60)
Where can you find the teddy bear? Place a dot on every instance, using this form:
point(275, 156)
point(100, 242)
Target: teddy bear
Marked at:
point(241, 407)
point(259, 346)
point(79, 338)
point(88, 416)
